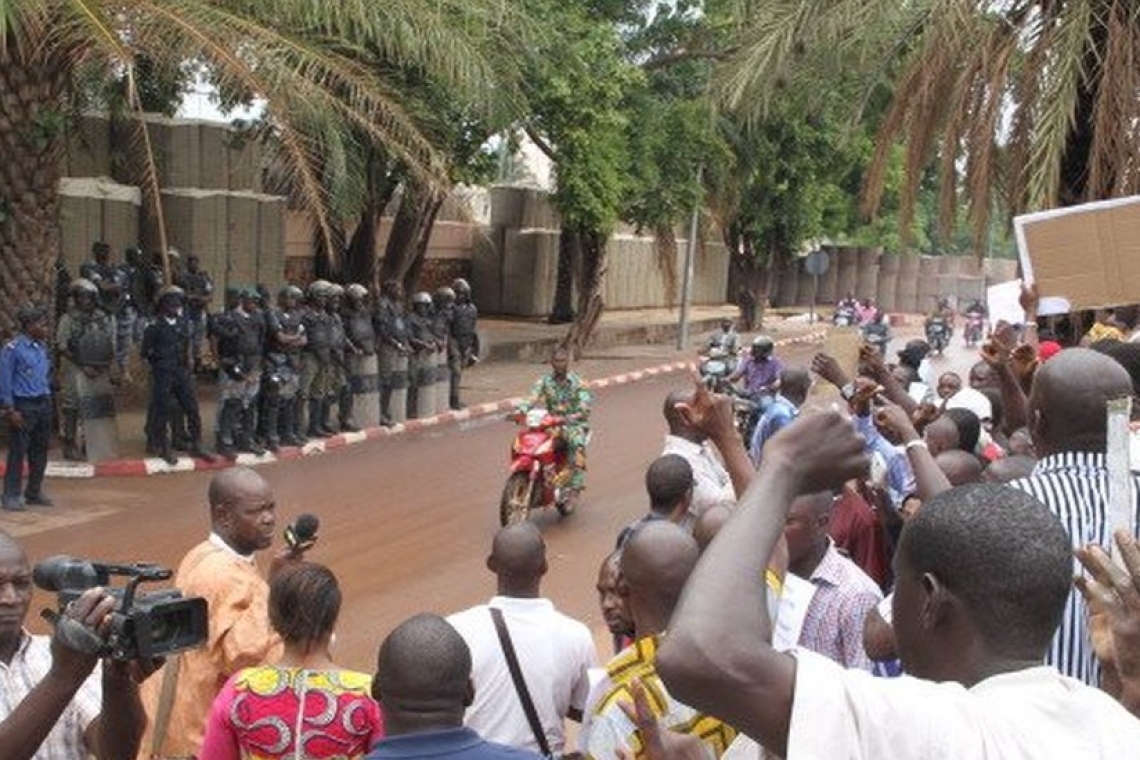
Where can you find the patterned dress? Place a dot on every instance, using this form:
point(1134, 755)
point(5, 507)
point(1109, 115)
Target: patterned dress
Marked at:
point(271, 713)
point(568, 396)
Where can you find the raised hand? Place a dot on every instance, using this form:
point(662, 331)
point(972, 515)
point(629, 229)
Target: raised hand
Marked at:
point(657, 741)
point(827, 367)
point(1113, 595)
point(895, 425)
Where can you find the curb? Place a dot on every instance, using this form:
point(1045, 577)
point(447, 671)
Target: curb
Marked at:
point(154, 466)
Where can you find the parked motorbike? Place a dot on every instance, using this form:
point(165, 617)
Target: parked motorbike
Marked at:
point(975, 328)
point(537, 460)
point(938, 334)
point(877, 335)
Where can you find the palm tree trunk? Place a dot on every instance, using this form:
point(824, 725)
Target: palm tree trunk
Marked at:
point(411, 230)
point(32, 85)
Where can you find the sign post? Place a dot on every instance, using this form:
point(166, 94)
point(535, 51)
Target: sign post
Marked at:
point(815, 264)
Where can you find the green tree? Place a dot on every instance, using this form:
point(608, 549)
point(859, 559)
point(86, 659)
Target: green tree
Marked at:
point(299, 56)
point(1021, 105)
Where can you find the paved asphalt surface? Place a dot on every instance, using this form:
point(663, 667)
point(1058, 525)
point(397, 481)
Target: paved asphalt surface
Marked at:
point(406, 523)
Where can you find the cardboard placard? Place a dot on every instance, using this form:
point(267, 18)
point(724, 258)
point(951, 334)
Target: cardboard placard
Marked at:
point(1087, 255)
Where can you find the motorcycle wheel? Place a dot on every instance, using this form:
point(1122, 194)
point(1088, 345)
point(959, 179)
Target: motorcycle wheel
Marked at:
point(564, 505)
point(514, 505)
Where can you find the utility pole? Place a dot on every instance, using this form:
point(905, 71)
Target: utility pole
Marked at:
point(690, 254)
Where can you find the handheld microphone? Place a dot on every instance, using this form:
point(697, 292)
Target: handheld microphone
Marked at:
point(303, 531)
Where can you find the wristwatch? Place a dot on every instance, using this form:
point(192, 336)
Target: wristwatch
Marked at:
point(847, 391)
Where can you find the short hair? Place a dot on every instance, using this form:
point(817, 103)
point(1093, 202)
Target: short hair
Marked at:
point(965, 537)
point(424, 659)
point(304, 602)
point(667, 480)
point(968, 425)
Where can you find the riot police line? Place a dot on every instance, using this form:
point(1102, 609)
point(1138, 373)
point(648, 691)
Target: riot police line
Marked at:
point(306, 364)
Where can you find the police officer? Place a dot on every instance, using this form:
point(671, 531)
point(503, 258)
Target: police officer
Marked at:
point(199, 289)
point(100, 271)
point(240, 335)
point(463, 348)
point(85, 339)
point(282, 378)
point(25, 404)
point(339, 392)
point(317, 374)
point(166, 346)
point(421, 369)
point(393, 337)
point(361, 334)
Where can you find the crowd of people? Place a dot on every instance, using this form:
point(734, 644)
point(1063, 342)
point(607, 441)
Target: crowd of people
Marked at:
point(890, 575)
point(312, 363)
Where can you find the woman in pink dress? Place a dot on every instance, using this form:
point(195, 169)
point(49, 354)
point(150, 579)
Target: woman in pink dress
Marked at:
point(304, 707)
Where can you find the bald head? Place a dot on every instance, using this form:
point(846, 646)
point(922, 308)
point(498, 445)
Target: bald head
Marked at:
point(655, 564)
point(709, 524)
point(228, 485)
point(959, 467)
point(1067, 403)
point(673, 417)
point(518, 559)
point(795, 382)
point(423, 669)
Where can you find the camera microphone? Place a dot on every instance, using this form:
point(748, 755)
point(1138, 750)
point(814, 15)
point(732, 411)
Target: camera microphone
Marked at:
point(303, 531)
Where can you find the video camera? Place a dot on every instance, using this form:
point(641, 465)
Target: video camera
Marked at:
point(143, 626)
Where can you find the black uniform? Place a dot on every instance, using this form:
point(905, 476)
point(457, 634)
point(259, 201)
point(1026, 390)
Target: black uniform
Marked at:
point(360, 332)
point(392, 336)
point(241, 348)
point(281, 380)
point(166, 345)
point(463, 347)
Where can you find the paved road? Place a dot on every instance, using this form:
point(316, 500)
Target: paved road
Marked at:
point(406, 523)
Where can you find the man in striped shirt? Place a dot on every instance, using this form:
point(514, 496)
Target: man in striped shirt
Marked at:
point(1067, 420)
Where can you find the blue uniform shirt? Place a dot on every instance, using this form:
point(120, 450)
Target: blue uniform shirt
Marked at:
point(25, 370)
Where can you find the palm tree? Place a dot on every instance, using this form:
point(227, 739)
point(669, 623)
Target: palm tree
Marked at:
point(300, 56)
point(1026, 104)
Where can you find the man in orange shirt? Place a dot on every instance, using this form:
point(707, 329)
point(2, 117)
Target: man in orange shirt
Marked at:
point(223, 570)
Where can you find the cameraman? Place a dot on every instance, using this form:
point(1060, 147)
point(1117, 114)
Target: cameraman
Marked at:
point(55, 701)
point(222, 569)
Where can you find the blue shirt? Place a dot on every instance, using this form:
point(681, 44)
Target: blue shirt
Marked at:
point(25, 370)
point(450, 742)
point(900, 476)
point(775, 418)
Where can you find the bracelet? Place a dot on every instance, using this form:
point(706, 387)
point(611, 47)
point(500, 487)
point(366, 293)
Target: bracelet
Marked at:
point(917, 443)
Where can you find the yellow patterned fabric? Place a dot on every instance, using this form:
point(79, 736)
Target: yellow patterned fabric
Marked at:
point(607, 727)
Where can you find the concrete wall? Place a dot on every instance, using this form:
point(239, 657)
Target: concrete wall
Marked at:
point(96, 209)
point(897, 283)
point(515, 262)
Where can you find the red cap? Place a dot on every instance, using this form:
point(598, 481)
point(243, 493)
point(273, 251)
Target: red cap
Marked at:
point(1047, 350)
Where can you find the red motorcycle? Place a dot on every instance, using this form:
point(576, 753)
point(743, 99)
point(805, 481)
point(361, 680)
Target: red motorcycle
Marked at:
point(537, 466)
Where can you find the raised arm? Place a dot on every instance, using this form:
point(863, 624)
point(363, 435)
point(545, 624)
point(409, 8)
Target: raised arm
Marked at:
point(717, 656)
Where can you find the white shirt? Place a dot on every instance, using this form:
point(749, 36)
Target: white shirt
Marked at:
point(1032, 714)
point(555, 653)
point(712, 485)
point(29, 666)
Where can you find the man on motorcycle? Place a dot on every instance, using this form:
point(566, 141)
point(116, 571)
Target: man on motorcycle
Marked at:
point(937, 331)
point(564, 394)
point(727, 340)
point(975, 323)
point(760, 371)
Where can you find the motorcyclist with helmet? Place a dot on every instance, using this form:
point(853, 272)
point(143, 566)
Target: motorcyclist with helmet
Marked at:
point(760, 373)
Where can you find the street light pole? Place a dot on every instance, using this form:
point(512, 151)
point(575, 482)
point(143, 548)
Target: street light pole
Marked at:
point(690, 253)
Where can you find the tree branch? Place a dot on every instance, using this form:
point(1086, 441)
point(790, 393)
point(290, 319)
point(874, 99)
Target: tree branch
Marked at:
point(539, 141)
point(682, 55)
